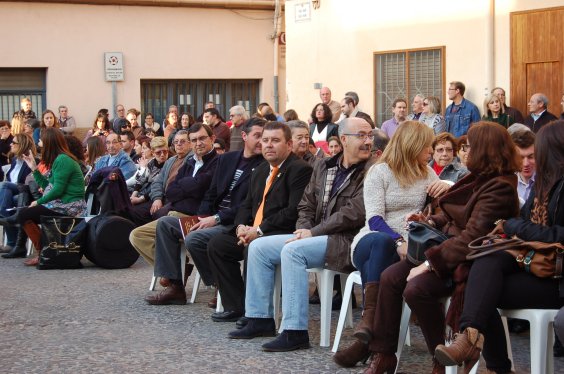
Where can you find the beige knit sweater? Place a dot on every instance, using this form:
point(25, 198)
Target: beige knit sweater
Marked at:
point(383, 196)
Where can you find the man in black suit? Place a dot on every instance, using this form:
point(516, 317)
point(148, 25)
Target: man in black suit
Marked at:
point(270, 208)
point(227, 191)
point(540, 116)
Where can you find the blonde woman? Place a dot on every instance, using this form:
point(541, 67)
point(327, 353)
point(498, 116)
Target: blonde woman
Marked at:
point(394, 187)
point(495, 112)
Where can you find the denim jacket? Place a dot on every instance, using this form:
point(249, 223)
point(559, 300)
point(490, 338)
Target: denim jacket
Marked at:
point(458, 123)
point(121, 161)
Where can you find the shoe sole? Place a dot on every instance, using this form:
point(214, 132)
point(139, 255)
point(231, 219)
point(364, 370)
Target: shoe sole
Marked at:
point(179, 302)
point(234, 319)
point(294, 348)
point(266, 334)
point(445, 359)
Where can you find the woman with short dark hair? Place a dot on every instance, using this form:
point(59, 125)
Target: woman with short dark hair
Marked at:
point(444, 162)
point(322, 128)
point(496, 280)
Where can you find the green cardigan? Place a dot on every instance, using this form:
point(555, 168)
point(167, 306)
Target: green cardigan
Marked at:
point(66, 178)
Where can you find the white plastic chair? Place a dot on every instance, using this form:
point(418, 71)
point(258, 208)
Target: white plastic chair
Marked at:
point(541, 335)
point(404, 328)
point(345, 315)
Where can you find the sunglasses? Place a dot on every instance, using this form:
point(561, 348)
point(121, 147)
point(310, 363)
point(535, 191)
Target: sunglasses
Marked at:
point(159, 153)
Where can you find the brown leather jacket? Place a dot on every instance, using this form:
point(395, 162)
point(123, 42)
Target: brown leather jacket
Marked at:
point(469, 211)
point(344, 215)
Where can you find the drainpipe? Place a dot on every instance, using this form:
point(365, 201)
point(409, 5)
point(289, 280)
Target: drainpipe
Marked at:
point(277, 25)
point(490, 48)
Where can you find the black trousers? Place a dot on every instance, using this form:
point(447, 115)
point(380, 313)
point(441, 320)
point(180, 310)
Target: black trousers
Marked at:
point(496, 281)
point(34, 214)
point(225, 254)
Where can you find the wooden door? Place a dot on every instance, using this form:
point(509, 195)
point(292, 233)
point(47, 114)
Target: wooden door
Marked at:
point(537, 57)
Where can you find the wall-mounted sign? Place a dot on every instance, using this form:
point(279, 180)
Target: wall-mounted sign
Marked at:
point(113, 66)
point(302, 11)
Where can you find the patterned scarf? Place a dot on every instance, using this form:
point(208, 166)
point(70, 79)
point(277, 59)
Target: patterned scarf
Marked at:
point(539, 212)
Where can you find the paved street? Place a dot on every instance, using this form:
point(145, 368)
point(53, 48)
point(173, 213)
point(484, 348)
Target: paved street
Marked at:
point(95, 321)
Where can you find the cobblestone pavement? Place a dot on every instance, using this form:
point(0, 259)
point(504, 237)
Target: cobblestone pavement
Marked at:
point(95, 321)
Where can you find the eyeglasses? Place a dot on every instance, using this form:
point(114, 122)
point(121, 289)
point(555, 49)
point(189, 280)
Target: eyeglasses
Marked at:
point(443, 150)
point(162, 152)
point(15, 143)
point(200, 139)
point(362, 137)
point(465, 147)
point(112, 142)
point(179, 141)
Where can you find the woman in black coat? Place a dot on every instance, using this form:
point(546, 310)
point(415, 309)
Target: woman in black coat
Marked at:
point(497, 281)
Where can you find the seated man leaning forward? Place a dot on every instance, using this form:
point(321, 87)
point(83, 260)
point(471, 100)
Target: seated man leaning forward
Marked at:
point(116, 157)
point(270, 208)
point(331, 212)
point(186, 191)
point(225, 195)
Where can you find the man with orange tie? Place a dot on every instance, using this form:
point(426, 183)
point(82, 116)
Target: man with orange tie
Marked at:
point(271, 208)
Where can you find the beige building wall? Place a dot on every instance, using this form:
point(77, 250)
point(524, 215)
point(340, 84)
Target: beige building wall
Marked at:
point(335, 47)
point(157, 43)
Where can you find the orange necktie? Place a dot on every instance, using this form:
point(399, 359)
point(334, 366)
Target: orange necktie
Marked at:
point(258, 216)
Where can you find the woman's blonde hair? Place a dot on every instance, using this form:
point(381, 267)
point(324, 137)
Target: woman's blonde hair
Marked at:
point(409, 140)
point(488, 100)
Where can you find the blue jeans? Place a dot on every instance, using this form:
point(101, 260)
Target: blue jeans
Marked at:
point(373, 254)
point(8, 197)
point(264, 254)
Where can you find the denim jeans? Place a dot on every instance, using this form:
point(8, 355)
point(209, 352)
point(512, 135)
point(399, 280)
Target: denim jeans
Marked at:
point(373, 254)
point(264, 255)
point(8, 197)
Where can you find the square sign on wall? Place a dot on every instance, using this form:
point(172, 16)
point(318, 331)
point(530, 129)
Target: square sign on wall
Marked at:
point(302, 12)
point(113, 66)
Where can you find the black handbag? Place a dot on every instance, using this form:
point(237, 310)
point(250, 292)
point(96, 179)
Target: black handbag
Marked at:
point(422, 236)
point(63, 240)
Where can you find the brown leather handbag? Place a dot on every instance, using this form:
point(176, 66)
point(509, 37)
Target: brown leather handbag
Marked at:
point(541, 259)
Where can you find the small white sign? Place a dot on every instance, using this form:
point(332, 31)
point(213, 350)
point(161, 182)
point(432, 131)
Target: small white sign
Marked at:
point(113, 66)
point(302, 12)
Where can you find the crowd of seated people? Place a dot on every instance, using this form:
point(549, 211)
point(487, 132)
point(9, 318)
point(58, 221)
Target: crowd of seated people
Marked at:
point(334, 193)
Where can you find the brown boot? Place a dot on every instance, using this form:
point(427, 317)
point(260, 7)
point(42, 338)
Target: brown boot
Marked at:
point(363, 331)
point(437, 367)
point(33, 233)
point(173, 294)
point(382, 363)
point(465, 348)
point(349, 357)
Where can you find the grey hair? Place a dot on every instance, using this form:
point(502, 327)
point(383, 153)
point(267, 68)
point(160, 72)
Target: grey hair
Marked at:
point(240, 110)
point(297, 124)
point(517, 127)
point(542, 98)
point(381, 140)
point(62, 106)
point(344, 126)
point(181, 132)
point(353, 95)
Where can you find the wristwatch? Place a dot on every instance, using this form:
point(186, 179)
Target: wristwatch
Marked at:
point(217, 219)
point(399, 242)
point(259, 232)
point(428, 265)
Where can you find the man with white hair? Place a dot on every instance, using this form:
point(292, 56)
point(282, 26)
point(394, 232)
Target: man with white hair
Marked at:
point(539, 114)
point(68, 124)
point(238, 116)
point(417, 106)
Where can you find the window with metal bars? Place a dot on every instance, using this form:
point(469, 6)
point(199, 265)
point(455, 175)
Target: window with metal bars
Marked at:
point(190, 95)
point(17, 83)
point(404, 74)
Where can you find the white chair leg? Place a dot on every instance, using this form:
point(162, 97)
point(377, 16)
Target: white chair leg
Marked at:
point(408, 336)
point(345, 313)
point(538, 336)
point(404, 330)
point(153, 283)
point(325, 297)
point(219, 306)
point(195, 287)
point(508, 342)
point(276, 296)
point(29, 246)
point(183, 254)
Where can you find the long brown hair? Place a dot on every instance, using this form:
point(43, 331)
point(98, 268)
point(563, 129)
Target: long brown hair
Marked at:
point(25, 143)
point(54, 144)
point(55, 119)
point(492, 150)
point(96, 149)
point(549, 157)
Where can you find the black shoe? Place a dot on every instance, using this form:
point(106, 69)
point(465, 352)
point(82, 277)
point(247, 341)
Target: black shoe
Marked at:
point(9, 221)
point(518, 326)
point(558, 348)
point(288, 340)
point(241, 322)
point(336, 302)
point(227, 316)
point(16, 252)
point(254, 328)
point(314, 298)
